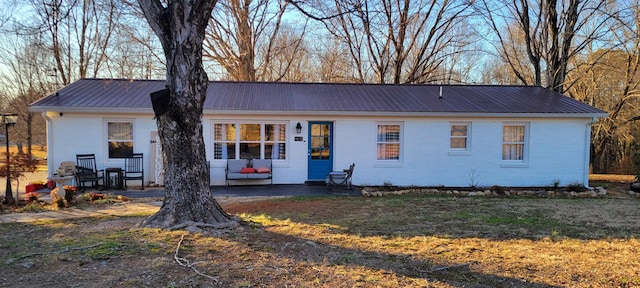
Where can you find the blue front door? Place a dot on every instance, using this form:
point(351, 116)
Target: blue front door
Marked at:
point(320, 150)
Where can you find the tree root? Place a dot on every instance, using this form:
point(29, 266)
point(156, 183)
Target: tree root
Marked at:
point(185, 263)
point(225, 225)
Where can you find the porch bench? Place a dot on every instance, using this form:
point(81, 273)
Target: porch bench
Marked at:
point(243, 169)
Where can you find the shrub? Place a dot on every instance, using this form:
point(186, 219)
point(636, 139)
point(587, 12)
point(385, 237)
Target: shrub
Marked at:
point(70, 193)
point(576, 187)
point(31, 207)
point(31, 197)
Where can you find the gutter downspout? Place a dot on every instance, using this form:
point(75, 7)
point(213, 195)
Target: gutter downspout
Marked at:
point(50, 149)
point(587, 152)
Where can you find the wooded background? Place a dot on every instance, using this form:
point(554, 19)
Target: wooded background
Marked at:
point(586, 49)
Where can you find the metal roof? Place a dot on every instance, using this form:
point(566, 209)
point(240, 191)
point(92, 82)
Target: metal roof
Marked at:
point(118, 95)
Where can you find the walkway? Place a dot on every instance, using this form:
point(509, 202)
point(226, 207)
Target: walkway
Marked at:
point(156, 194)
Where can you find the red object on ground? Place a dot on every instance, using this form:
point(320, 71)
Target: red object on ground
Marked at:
point(30, 188)
point(51, 184)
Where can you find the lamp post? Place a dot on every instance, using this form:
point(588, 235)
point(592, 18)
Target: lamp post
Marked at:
point(8, 120)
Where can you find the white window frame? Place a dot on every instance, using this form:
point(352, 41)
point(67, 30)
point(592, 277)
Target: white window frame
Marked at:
point(390, 162)
point(106, 140)
point(460, 151)
point(262, 140)
point(524, 162)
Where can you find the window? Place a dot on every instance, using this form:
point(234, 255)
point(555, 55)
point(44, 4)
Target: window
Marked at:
point(388, 142)
point(275, 138)
point(249, 141)
point(514, 137)
point(224, 141)
point(120, 139)
point(459, 136)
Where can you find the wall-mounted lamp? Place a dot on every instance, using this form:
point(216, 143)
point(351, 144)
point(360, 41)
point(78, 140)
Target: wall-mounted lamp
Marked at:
point(298, 128)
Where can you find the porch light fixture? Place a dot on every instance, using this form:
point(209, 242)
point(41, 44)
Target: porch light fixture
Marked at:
point(298, 128)
point(8, 120)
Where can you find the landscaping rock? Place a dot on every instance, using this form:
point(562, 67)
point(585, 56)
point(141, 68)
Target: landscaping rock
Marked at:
point(601, 191)
point(492, 192)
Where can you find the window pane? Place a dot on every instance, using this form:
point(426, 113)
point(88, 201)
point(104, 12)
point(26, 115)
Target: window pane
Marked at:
point(458, 130)
point(388, 151)
point(224, 150)
point(275, 132)
point(513, 134)
point(388, 133)
point(120, 131)
point(512, 152)
point(277, 151)
point(249, 132)
point(459, 143)
point(249, 150)
point(319, 153)
point(120, 149)
point(224, 132)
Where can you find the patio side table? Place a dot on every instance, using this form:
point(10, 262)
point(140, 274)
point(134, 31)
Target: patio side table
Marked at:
point(117, 178)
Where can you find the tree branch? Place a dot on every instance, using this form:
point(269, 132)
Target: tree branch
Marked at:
point(185, 263)
point(298, 6)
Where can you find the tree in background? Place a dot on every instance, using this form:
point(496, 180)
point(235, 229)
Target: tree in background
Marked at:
point(610, 80)
point(250, 40)
point(77, 33)
point(27, 77)
point(396, 41)
point(544, 36)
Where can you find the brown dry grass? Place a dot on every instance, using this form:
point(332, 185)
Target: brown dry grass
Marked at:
point(398, 241)
point(37, 151)
point(611, 178)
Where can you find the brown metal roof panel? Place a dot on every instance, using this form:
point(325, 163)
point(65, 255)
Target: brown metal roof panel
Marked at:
point(102, 93)
point(327, 97)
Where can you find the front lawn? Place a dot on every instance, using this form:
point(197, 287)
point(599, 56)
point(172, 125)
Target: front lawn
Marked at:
point(391, 241)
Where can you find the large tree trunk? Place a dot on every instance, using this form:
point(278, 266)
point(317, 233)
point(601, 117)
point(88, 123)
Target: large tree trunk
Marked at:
point(188, 201)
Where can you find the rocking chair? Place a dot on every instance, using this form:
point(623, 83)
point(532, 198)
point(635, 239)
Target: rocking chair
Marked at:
point(340, 178)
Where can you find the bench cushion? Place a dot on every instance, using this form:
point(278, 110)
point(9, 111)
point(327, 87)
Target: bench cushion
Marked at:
point(258, 176)
point(247, 170)
point(261, 163)
point(263, 170)
point(236, 175)
point(235, 166)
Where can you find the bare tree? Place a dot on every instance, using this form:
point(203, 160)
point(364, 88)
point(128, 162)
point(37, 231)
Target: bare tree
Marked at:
point(27, 78)
point(78, 33)
point(398, 41)
point(551, 33)
point(610, 80)
point(284, 57)
point(180, 26)
point(250, 40)
point(332, 62)
point(135, 54)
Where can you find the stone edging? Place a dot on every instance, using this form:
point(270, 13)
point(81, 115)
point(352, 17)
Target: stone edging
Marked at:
point(597, 192)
